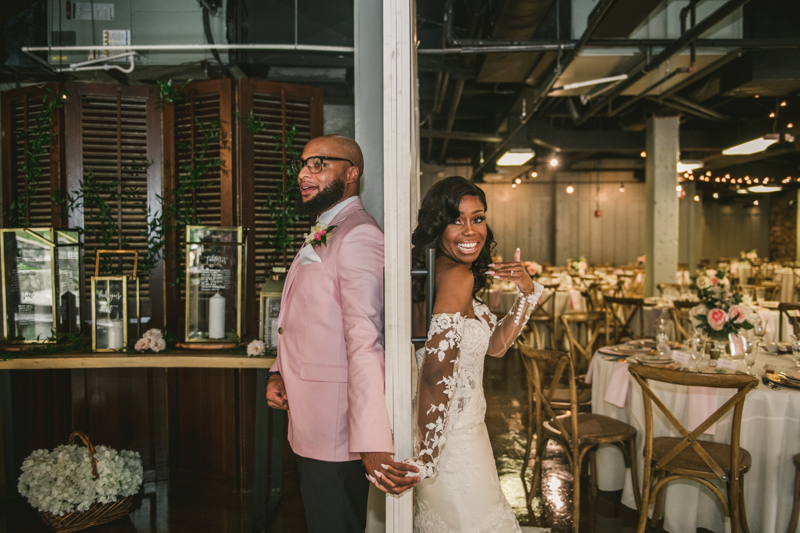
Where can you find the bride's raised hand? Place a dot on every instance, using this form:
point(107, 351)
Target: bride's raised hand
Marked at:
point(514, 272)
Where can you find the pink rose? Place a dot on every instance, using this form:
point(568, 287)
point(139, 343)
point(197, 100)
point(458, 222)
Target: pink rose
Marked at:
point(317, 235)
point(717, 318)
point(737, 314)
point(323, 232)
point(142, 344)
point(715, 280)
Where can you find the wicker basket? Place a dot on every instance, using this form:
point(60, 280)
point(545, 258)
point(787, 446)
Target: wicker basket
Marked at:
point(99, 513)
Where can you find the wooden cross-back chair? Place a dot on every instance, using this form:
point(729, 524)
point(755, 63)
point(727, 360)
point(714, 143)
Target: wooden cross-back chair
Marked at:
point(675, 458)
point(591, 323)
point(791, 311)
point(621, 313)
point(545, 311)
point(682, 320)
point(578, 433)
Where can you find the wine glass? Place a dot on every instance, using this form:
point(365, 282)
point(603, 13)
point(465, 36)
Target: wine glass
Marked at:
point(795, 349)
point(759, 329)
point(750, 352)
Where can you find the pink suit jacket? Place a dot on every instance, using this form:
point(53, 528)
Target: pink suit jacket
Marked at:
point(330, 351)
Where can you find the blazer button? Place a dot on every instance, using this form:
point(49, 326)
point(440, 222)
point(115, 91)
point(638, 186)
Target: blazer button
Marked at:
point(280, 330)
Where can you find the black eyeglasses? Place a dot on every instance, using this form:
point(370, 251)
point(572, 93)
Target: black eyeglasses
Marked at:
point(314, 163)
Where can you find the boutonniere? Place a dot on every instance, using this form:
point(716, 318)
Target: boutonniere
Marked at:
point(318, 236)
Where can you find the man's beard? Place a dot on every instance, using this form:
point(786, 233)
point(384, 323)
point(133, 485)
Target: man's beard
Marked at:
point(324, 199)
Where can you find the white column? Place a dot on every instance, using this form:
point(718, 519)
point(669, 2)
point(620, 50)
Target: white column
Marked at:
point(661, 180)
point(401, 179)
point(368, 73)
point(797, 247)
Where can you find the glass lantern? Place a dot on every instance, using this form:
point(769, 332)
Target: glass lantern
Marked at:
point(270, 308)
point(41, 284)
point(115, 306)
point(214, 274)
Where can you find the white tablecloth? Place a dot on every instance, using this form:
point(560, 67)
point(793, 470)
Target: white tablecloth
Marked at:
point(770, 432)
point(785, 278)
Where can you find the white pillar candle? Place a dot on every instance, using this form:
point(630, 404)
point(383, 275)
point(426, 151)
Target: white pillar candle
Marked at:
point(116, 334)
point(216, 317)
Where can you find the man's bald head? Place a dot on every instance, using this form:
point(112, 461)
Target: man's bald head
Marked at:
point(336, 146)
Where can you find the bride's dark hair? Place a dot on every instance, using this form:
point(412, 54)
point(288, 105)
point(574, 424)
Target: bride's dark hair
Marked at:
point(440, 207)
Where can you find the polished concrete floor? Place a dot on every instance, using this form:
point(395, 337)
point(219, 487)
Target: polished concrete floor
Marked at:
point(185, 509)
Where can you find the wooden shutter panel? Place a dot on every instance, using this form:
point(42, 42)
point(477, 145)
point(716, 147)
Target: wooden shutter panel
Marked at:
point(114, 134)
point(278, 106)
point(206, 102)
point(20, 108)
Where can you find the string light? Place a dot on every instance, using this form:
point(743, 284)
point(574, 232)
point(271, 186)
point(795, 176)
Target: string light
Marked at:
point(513, 185)
point(534, 174)
point(766, 180)
point(790, 125)
point(783, 104)
point(756, 96)
point(755, 202)
point(570, 188)
point(696, 197)
point(679, 188)
point(715, 195)
point(708, 173)
point(554, 162)
point(518, 181)
point(643, 154)
point(717, 179)
point(772, 115)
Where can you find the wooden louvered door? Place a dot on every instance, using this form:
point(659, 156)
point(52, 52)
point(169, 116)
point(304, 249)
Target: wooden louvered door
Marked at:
point(20, 110)
point(203, 109)
point(113, 142)
point(40, 399)
point(278, 106)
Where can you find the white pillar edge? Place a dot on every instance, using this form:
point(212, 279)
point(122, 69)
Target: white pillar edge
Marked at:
point(400, 174)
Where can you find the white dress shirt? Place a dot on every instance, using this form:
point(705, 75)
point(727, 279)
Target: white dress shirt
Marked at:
point(307, 253)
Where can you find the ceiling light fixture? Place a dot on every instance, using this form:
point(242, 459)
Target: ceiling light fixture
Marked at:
point(518, 181)
point(554, 162)
point(513, 185)
point(587, 83)
point(570, 189)
point(621, 187)
point(688, 165)
point(534, 174)
point(516, 157)
point(756, 145)
point(764, 188)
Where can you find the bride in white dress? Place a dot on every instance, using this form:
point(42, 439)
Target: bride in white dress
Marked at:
point(459, 491)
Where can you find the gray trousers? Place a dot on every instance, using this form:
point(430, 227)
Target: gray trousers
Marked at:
point(334, 495)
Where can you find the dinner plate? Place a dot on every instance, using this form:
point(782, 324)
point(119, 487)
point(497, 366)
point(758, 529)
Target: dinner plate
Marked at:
point(775, 378)
point(614, 351)
point(769, 305)
point(652, 361)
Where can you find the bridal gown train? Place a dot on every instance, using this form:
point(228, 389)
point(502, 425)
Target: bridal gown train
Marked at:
point(460, 490)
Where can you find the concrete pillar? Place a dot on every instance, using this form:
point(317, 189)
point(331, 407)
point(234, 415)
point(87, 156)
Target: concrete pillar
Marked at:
point(661, 180)
point(368, 82)
point(695, 222)
point(797, 246)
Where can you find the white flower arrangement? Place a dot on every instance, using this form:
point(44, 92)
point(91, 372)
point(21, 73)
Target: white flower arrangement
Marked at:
point(153, 340)
point(255, 348)
point(577, 266)
point(61, 481)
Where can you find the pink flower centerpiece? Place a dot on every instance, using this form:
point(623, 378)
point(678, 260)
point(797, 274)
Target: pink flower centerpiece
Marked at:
point(720, 312)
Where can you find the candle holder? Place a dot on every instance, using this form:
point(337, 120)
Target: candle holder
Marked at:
point(41, 284)
point(214, 276)
point(115, 306)
point(270, 308)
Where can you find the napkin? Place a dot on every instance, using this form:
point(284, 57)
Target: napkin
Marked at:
point(574, 300)
point(702, 404)
point(617, 391)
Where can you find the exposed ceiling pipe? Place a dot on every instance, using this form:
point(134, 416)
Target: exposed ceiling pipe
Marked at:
point(451, 117)
point(546, 86)
point(102, 64)
point(714, 115)
point(687, 38)
point(506, 47)
point(190, 48)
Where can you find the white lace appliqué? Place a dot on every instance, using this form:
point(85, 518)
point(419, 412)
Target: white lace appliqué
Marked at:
point(437, 385)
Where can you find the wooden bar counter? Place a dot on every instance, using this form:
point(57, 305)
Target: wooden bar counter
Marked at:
point(268, 464)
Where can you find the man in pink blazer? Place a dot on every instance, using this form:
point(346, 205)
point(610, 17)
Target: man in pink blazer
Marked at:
point(329, 372)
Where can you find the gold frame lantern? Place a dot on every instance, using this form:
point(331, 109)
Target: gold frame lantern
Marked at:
point(215, 260)
point(41, 283)
point(111, 306)
point(269, 309)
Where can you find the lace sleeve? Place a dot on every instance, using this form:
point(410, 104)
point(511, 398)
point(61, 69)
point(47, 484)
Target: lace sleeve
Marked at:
point(511, 325)
point(435, 389)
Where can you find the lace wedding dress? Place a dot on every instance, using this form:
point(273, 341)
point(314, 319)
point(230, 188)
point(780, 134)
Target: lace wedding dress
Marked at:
point(460, 490)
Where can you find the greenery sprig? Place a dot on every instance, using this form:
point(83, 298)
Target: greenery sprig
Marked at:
point(281, 203)
point(38, 139)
